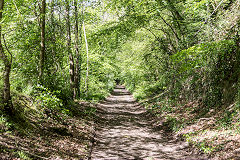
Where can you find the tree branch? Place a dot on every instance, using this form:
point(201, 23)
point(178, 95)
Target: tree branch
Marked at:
point(169, 26)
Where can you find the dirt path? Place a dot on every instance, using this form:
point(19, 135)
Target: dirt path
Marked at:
point(125, 132)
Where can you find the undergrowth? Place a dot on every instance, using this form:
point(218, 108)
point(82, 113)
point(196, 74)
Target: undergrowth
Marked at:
point(40, 116)
point(195, 92)
point(213, 131)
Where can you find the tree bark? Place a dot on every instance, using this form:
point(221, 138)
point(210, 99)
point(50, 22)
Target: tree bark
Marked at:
point(77, 49)
point(71, 60)
point(42, 50)
point(7, 70)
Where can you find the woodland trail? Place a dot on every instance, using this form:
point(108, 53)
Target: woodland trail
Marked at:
point(124, 131)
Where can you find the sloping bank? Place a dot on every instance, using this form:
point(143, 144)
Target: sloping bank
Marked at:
point(48, 133)
point(198, 98)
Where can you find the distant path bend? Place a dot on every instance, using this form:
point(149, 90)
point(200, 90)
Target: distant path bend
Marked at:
point(125, 132)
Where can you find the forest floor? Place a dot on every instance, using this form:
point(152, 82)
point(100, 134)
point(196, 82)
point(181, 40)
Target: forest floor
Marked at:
point(125, 130)
point(40, 136)
point(116, 128)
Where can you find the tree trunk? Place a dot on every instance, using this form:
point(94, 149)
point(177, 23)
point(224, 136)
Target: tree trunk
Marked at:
point(42, 50)
point(7, 70)
point(71, 60)
point(53, 39)
point(87, 71)
point(77, 49)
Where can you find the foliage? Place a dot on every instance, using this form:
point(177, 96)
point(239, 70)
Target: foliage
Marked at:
point(23, 155)
point(174, 124)
point(204, 146)
point(181, 48)
point(168, 53)
point(5, 125)
point(202, 65)
point(47, 100)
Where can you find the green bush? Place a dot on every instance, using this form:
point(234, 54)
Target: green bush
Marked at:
point(174, 124)
point(46, 99)
point(209, 71)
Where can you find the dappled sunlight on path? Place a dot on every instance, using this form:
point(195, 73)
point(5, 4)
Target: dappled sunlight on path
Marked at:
point(124, 131)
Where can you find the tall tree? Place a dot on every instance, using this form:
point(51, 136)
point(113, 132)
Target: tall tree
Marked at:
point(53, 36)
point(87, 71)
point(77, 49)
point(71, 59)
point(42, 50)
point(7, 70)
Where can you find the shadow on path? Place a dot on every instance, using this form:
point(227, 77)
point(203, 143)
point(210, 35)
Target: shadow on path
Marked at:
point(124, 131)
